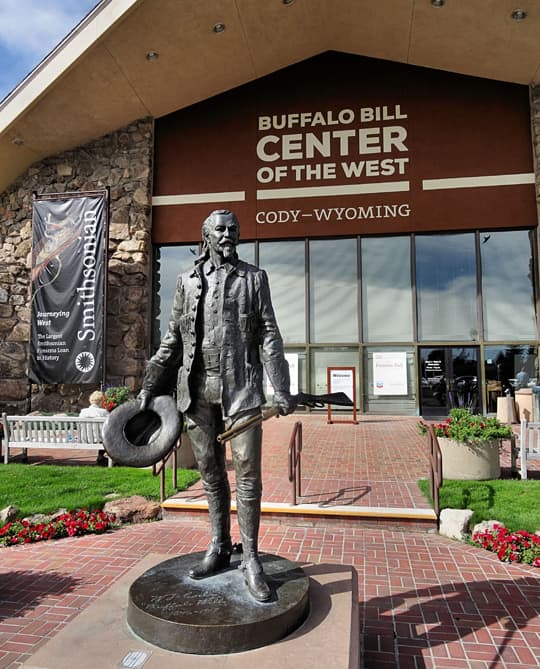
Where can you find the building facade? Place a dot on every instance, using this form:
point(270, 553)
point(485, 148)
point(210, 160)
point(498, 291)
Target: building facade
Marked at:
point(393, 207)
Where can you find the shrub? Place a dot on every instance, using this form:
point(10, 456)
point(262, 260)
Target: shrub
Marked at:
point(462, 425)
point(113, 396)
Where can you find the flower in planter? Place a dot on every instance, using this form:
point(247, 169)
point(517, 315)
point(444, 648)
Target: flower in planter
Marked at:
point(113, 396)
point(464, 426)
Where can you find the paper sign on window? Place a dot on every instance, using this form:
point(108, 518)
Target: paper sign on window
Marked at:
point(390, 373)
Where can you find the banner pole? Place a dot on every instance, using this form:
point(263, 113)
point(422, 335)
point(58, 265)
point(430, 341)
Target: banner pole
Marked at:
point(105, 285)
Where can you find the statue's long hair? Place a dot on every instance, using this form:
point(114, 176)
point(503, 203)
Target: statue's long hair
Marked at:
point(207, 224)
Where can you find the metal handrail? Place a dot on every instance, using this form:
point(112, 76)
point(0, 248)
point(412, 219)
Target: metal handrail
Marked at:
point(435, 461)
point(295, 461)
point(159, 468)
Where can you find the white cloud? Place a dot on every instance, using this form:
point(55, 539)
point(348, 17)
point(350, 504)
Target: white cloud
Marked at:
point(29, 30)
point(34, 27)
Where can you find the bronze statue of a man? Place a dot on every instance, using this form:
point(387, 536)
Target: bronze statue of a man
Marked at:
point(222, 320)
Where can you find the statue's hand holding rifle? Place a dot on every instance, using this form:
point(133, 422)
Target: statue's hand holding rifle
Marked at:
point(284, 405)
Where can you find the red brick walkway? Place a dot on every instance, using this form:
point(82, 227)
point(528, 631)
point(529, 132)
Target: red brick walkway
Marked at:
point(376, 463)
point(425, 601)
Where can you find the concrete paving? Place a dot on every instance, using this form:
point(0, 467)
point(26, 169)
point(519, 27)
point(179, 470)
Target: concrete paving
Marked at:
point(100, 637)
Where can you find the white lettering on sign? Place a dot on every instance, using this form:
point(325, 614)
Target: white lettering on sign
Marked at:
point(342, 117)
point(87, 291)
point(282, 121)
point(334, 214)
point(344, 143)
point(320, 139)
point(290, 216)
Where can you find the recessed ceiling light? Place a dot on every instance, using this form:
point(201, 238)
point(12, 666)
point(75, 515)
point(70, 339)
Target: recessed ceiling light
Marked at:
point(17, 141)
point(519, 14)
point(152, 55)
point(437, 3)
point(287, 2)
point(219, 28)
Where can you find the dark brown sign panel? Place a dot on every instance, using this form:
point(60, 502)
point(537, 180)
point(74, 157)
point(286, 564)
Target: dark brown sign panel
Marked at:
point(342, 145)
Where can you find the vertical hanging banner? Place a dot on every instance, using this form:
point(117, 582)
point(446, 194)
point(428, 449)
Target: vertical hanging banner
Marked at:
point(68, 288)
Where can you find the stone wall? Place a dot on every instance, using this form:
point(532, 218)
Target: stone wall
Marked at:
point(121, 161)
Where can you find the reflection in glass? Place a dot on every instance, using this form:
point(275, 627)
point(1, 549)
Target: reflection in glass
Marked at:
point(386, 289)
point(171, 261)
point(284, 263)
point(448, 379)
point(507, 369)
point(333, 282)
point(246, 252)
point(446, 287)
point(507, 285)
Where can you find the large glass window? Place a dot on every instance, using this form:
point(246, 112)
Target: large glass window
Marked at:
point(448, 379)
point(333, 283)
point(508, 369)
point(284, 263)
point(246, 252)
point(386, 289)
point(172, 261)
point(507, 285)
point(319, 320)
point(446, 287)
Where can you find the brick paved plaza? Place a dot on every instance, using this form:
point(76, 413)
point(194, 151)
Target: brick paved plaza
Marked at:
point(425, 601)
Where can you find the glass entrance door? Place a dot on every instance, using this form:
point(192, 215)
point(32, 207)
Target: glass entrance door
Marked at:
point(448, 378)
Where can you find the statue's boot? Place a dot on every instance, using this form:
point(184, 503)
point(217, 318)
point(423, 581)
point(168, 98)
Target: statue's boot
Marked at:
point(249, 512)
point(218, 555)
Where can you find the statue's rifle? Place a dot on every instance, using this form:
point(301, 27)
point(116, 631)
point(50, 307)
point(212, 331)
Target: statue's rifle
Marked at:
point(303, 399)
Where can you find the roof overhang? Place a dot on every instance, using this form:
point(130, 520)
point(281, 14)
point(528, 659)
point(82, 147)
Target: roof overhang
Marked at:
point(100, 78)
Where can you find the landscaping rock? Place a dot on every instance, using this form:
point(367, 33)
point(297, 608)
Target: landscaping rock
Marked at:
point(454, 523)
point(487, 525)
point(9, 514)
point(134, 509)
point(38, 518)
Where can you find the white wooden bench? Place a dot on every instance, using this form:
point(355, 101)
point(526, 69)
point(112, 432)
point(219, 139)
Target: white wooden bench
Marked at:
point(52, 432)
point(526, 447)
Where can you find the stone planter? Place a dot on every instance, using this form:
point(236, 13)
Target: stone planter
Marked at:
point(467, 462)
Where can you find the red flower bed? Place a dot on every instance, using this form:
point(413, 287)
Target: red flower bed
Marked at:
point(520, 546)
point(70, 524)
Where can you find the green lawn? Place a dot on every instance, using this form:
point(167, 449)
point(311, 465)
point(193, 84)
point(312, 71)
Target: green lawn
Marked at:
point(47, 488)
point(514, 503)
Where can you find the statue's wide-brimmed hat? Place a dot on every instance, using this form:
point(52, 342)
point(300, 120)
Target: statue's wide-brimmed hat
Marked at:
point(139, 438)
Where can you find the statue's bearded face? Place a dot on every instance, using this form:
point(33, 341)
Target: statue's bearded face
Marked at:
point(222, 234)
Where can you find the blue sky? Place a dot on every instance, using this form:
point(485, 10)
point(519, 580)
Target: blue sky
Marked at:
point(29, 30)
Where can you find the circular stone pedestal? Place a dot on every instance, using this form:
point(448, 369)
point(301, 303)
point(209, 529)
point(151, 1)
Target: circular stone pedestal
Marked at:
point(216, 615)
